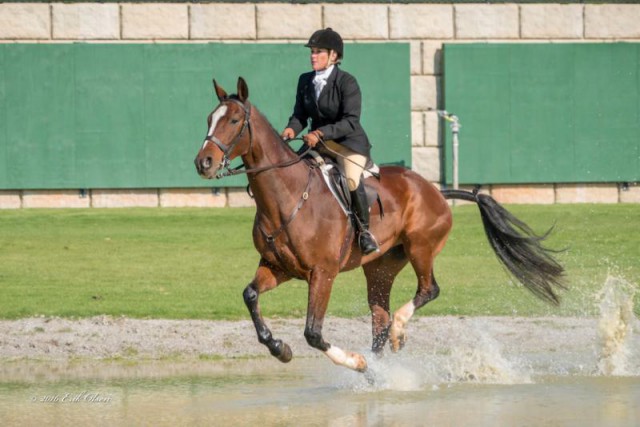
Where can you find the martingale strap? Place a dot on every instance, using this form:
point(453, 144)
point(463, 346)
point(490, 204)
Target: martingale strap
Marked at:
point(303, 198)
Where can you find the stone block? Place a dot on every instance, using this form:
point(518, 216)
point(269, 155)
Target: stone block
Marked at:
point(432, 58)
point(25, 21)
point(630, 194)
point(55, 199)
point(415, 57)
point(543, 194)
point(223, 21)
point(612, 21)
point(421, 21)
point(239, 198)
point(551, 21)
point(487, 21)
point(425, 93)
point(10, 200)
point(83, 21)
point(155, 21)
point(426, 162)
point(292, 21)
point(433, 128)
point(417, 129)
point(586, 193)
point(127, 198)
point(193, 197)
point(357, 21)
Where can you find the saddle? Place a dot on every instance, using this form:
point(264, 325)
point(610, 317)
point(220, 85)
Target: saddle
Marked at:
point(337, 182)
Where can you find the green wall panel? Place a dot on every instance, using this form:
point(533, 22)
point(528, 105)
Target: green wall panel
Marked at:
point(134, 115)
point(543, 113)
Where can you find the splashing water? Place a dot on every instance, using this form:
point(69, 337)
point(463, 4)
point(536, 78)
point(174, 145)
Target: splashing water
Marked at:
point(470, 354)
point(481, 360)
point(615, 327)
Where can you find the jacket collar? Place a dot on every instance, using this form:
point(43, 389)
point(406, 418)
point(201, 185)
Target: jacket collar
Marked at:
point(330, 81)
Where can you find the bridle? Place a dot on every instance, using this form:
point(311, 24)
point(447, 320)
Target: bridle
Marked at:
point(224, 169)
point(227, 149)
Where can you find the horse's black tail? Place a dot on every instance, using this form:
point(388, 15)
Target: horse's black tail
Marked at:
point(519, 249)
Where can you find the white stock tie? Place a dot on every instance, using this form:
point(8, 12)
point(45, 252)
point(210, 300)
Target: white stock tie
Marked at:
point(320, 80)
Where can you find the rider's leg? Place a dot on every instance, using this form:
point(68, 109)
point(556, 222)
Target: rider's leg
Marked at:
point(352, 165)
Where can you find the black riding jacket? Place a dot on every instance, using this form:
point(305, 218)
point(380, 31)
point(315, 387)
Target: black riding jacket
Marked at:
point(336, 113)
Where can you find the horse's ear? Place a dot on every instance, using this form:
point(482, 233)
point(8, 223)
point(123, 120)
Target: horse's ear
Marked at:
point(219, 91)
point(243, 90)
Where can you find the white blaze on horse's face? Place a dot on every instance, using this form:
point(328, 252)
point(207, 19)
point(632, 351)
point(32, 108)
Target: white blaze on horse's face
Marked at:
point(215, 118)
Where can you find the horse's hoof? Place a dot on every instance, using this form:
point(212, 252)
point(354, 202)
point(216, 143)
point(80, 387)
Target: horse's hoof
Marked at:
point(286, 355)
point(359, 363)
point(397, 338)
point(378, 352)
point(370, 376)
point(280, 351)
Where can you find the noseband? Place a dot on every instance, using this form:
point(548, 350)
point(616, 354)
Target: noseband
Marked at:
point(227, 149)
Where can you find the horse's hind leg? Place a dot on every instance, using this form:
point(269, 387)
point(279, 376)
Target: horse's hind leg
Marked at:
point(380, 274)
point(424, 294)
point(266, 278)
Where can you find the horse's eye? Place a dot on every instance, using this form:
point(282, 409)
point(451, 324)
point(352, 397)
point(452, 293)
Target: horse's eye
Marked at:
point(234, 121)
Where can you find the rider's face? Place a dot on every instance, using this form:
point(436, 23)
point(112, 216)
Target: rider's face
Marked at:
point(321, 59)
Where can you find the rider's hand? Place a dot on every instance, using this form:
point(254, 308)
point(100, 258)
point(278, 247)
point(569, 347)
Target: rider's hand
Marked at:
point(313, 137)
point(287, 134)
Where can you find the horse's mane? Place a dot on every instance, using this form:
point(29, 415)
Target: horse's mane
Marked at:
point(275, 133)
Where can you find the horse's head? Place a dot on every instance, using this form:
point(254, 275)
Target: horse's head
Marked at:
point(227, 135)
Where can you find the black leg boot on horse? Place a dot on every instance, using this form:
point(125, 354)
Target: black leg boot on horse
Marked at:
point(360, 209)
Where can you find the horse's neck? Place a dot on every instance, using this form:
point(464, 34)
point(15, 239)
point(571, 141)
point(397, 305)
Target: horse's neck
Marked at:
point(267, 148)
point(275, 190)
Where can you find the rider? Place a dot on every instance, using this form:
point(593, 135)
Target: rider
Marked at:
point(331, 98)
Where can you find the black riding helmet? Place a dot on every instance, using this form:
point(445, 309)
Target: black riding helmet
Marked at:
point(327, 39)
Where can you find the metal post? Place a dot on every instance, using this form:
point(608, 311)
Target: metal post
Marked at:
point(455, 129)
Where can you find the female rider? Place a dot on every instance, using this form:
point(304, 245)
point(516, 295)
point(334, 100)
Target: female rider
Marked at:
point(331, 98)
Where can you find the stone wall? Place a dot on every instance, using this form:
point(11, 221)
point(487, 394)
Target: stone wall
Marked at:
point(425, 26)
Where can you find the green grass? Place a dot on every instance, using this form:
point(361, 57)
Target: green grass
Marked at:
point(194, 263)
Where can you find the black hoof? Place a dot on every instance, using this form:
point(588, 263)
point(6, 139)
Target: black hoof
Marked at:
point(370, 376)
point(281, 351)
point(286, 355)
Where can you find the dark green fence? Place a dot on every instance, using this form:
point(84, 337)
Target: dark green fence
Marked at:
point(134, 115)
point(543, 113)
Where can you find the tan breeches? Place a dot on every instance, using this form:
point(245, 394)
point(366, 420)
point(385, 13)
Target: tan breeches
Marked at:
point(350, 163)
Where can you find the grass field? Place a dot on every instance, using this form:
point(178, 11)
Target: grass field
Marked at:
point(194, 263)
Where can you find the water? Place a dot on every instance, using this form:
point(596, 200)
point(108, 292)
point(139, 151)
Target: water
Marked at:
point(474, 371)
point(615, 327)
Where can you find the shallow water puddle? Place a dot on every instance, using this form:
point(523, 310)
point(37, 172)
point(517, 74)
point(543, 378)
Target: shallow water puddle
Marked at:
point(305, 392)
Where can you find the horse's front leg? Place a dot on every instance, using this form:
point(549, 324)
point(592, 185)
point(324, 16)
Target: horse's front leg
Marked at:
point(320, 285)
point(267, 277)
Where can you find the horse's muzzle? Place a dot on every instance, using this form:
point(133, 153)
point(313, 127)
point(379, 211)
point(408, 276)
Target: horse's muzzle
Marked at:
point(204, 166)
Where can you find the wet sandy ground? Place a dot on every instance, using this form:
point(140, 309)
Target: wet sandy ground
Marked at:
point(107, 337)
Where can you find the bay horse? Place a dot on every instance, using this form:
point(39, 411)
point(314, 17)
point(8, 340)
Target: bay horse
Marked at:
point(301, 232)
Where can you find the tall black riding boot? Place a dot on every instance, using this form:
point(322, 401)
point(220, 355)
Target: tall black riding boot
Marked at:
point(366, 240)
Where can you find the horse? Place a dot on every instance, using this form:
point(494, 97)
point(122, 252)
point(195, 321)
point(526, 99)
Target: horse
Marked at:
point(301, 232)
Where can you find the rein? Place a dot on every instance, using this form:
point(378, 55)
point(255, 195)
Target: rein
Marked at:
point(238, 170)
point(227, 149)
